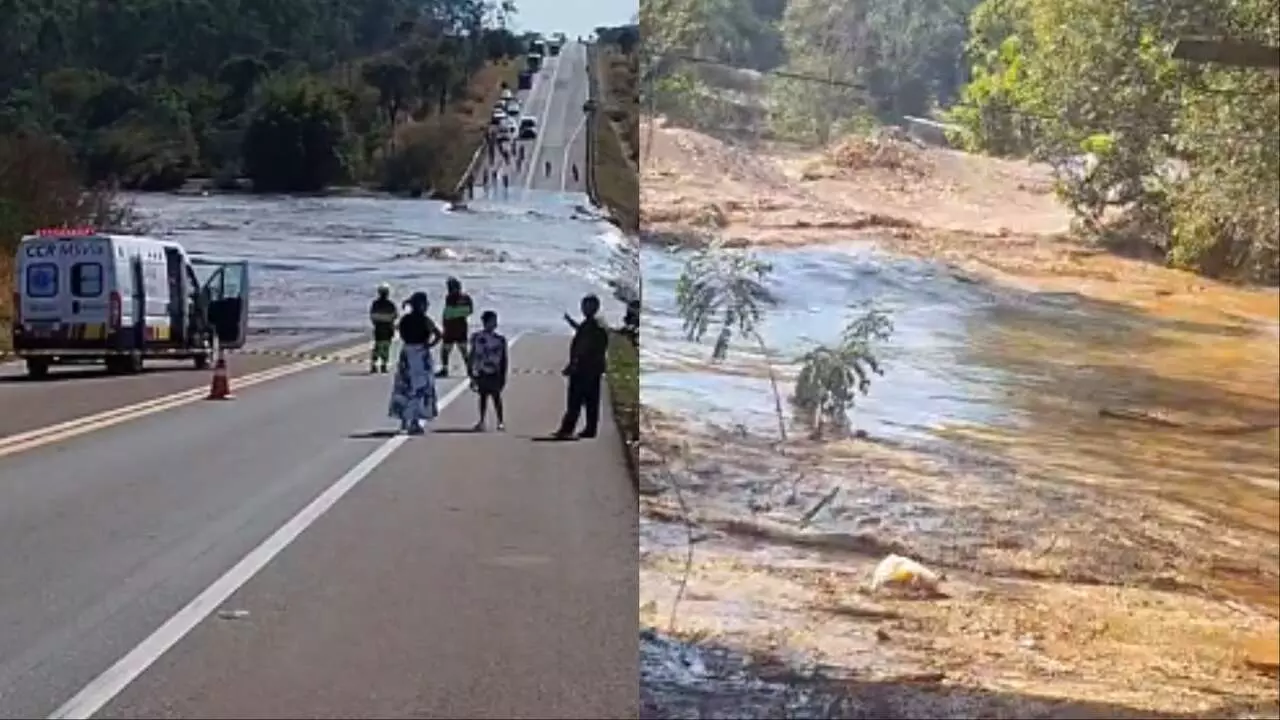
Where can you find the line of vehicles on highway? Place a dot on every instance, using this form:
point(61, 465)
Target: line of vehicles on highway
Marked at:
point(506, 123)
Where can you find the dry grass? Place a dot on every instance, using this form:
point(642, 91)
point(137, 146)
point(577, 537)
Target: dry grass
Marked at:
point(40, 186)
point(615, 134)
point(449, 140)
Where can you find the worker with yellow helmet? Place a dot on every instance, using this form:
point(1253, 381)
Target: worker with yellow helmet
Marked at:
point(383, 315)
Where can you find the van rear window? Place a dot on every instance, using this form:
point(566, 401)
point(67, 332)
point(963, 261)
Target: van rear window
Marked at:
point(86, 280)
point(42, 280)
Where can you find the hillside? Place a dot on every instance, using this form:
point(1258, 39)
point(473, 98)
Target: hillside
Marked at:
point(1052, 81)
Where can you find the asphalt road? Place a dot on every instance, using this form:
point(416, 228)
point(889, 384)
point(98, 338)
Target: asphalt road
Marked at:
point(76, 391)
point(556, 98)
point(282, 555)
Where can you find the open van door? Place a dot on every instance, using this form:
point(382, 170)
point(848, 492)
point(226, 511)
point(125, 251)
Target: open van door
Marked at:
point(225, 290)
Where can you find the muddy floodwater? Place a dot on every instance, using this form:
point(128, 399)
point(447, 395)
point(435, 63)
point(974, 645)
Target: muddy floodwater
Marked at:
point(1100, 484)
point(316, 262)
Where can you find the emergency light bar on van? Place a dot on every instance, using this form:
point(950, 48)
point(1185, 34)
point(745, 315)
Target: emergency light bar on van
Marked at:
point(66, 232)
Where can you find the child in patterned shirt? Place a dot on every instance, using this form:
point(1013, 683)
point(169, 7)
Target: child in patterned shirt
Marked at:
point(487, 366)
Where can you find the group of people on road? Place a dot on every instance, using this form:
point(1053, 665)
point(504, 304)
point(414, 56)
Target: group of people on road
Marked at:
point(486, 355)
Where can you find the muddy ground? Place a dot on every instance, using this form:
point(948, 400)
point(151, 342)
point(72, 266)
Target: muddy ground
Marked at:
point(1095, 566)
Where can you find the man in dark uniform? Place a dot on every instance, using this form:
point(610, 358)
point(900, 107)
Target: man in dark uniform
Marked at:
point(586, 367)
point(382, 313)
point(454, 331)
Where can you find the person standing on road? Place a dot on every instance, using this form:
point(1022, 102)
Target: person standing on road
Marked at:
point(457, 308)
point(413, 394)
point(382, 313)
point(547, 166)
point(586, 367)
point(575, 173)
point(488, 366)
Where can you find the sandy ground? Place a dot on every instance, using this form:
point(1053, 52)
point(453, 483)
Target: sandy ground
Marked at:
point(1063, 581)
point(997, 218)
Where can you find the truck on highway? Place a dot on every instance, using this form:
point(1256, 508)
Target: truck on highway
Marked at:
point(525, 80)
point(533, 61)
point(85, 296)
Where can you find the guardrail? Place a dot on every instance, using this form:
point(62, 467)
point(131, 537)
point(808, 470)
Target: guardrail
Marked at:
point(470, 171)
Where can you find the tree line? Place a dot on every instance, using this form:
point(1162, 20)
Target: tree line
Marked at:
point(295, 95)
point(1154, 153)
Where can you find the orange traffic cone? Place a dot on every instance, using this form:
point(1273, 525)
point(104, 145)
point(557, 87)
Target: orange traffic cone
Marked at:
point(220, 387)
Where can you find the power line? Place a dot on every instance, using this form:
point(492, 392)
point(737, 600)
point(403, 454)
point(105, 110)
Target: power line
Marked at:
point(775, 73)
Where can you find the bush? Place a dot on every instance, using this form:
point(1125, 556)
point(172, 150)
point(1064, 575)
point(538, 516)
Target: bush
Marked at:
point(40, 186)
point(297, 140)
point(422, 157)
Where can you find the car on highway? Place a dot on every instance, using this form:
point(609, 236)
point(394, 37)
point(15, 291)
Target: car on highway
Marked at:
point(528, 127)
point(512, 107)
point(86, 296)
point(507, 94)
point(507, 128)
point(499, 114)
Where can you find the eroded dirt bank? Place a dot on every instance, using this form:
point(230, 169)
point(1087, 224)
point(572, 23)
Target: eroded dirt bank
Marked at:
point(1110, 535)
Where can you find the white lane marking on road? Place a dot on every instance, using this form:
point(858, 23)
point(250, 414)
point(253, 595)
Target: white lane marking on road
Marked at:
point(542, 132)
point(564, 162)
point(48, 435)
point(104, 688)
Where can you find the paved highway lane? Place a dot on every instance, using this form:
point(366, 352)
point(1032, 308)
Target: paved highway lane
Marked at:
point(556, 99)
point(459, 575)
point(74, 392)
point(462, 576)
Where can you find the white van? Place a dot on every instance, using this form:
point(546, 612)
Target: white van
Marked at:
point(85, 296)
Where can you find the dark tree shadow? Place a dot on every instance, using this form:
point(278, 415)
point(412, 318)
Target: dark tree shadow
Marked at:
point(374, 435)
point(71, 373)
point(710, 680)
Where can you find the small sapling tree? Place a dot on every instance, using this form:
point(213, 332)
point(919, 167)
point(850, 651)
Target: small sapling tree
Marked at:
point(832, 376)
point(726, 290)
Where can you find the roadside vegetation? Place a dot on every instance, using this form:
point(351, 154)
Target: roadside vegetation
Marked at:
point(290, 95)
point(287, 96)
point(624, 394)
point(1153, 155)
point(615, 137)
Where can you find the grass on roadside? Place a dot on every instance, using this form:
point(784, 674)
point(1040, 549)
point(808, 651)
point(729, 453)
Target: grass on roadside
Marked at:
point(435, 152)
point(616, 136)
point(624, 392)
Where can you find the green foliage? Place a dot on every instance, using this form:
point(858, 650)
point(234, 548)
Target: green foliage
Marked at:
point(831, 376)
point(907, 58)
point(722, 289)
point(297, 139)
point(1180, 157)
point(150, 92)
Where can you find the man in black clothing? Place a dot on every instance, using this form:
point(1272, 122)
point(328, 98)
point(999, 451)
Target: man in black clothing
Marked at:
point(382, 313)
point(631, 323)
point(586, 367)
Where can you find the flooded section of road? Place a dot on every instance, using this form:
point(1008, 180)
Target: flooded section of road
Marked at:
point(317, 261)
point(1101, 485)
